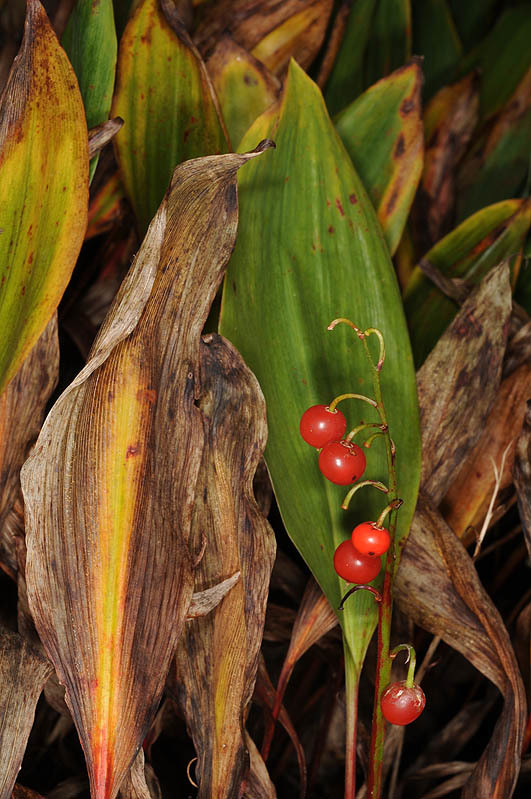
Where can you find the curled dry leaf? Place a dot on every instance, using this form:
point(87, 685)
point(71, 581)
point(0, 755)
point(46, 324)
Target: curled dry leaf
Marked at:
point(467, 500)
point(203, 602)
point(438, 587)
point(459, 381)
point(23, 672)
point(522, 474)
point(22, 407)
point(216, 657)
point(109, 488)
point(103, 134)
point(135, 785)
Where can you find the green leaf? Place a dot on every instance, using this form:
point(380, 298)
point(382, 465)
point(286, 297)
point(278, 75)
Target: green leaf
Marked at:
point(503, 57)
point(310, 249)
point(389, 43)
point(43, 188)
point(473, 19)
point(164, 95)
point(383, 134)
point(346, 80)
point(436, 39)
point(90, 43)
point(469, 252)
point(497, 166)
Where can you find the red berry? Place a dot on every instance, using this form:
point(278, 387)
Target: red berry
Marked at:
point(354, 567)
point(369, 539)
point(342, 462)
point(401, 704)
point(319, 425)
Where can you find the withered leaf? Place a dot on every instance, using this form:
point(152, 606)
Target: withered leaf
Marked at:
point(459, 380)
point(109, 488)
point(216, 657)
point(258, 784)
point(522, 474)
point(204, 602)
point(135, 785)
point(23, 672)
point(438, 587)
point(467, 500)
point(22, 407)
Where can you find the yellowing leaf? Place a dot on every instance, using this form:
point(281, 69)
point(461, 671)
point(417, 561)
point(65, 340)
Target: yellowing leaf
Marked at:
point(164, 95)
point(43, 188)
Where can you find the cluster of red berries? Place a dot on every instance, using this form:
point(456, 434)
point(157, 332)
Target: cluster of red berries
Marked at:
point(356, 560)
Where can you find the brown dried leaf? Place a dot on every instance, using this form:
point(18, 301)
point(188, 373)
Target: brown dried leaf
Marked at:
point(23, 672)
point(22, 407)
point(459, 380)
point(467, 500)
point(522, 474)
point(449, 119)
point(19, 792)
point(438, 587)
point(109, 488)
point(216, 658)
point(101, 135)
point(203, 602)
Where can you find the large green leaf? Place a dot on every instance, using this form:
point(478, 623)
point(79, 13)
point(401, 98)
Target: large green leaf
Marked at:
point(164, 95)
point(469, 252)
point(383, 134)
point(436, 39)
point(389, 45)
point(310, 249)
point(90, 43)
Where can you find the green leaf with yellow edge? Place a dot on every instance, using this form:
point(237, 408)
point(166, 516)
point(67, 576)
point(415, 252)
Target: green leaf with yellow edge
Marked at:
point(90, 43)
point(165, 97)
point(383, 134)
point(503, 57)
point(469, 252)
point(110, 485)
point(43, 188)
point(243, 85)
point(310, 249)
point(497, 166)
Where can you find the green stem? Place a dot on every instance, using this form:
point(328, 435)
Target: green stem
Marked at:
point(363, 426)
point(394, 505)
point(373, 483)
point(342, 397)
point(411, 659)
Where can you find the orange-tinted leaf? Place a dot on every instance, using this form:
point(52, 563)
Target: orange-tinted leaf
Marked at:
point(164, 95)
point(216, 657)
point(109, 488)
point(106, 207)
point(43, 188)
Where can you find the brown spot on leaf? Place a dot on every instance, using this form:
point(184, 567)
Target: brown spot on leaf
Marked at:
point(132, 450)
point(352, 199)
point(330, 228)
point(339, 206)
point(407, 106)
point(392, 202)
point(400, 148)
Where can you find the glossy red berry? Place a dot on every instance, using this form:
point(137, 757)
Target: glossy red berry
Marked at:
point(402, 704)
point(354, 567)
point(369, 539)
point(342, 462)
point(319, 425)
